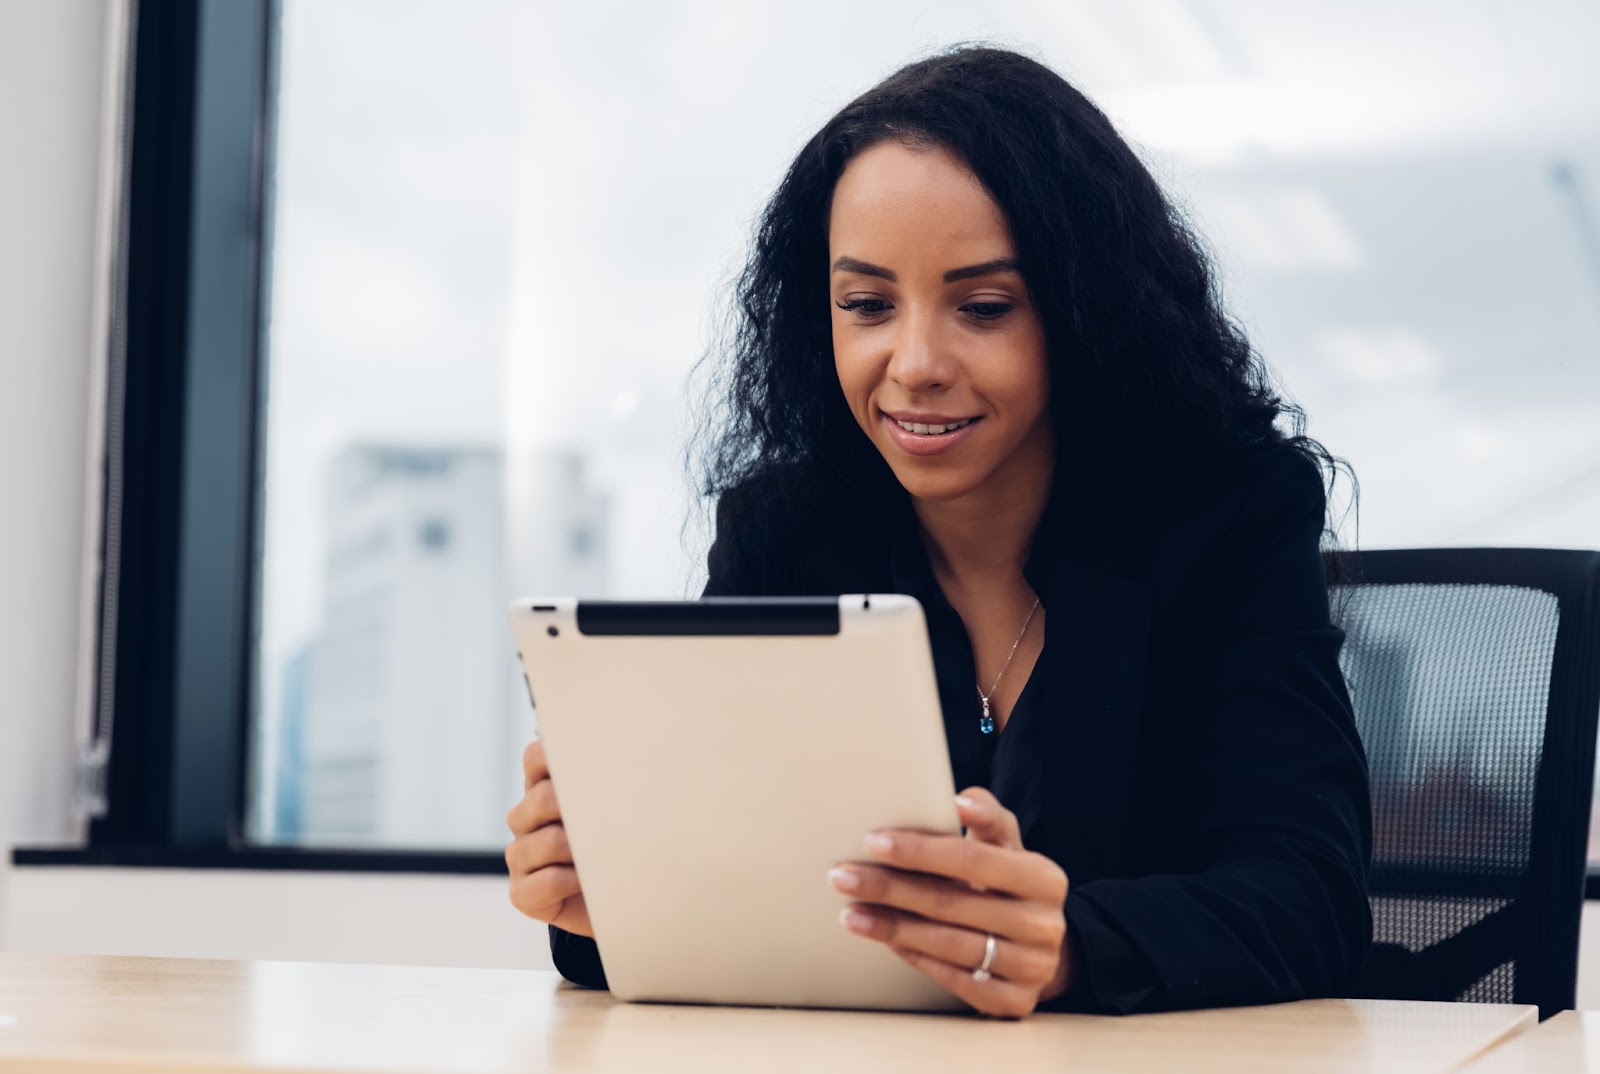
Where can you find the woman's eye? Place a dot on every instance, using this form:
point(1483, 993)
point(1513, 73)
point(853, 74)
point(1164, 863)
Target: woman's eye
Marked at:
point(983, 311)
point(988, 311)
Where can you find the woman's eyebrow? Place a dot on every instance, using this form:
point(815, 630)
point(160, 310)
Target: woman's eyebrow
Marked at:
point(986, 268)
point(867, 268)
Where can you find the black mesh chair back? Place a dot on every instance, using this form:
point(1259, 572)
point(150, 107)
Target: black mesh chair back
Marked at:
point(1475, 675)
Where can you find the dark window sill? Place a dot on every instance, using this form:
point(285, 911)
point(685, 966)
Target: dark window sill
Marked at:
point(318, 860)
point(265, 857)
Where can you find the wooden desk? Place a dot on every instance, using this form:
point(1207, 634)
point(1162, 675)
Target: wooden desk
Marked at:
point(1568, 1041)
point(61, 1013)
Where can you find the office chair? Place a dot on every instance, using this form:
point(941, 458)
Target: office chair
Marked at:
point(1475, 675)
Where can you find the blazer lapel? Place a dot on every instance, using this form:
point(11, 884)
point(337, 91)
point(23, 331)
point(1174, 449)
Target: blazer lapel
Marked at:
point(1071, 772)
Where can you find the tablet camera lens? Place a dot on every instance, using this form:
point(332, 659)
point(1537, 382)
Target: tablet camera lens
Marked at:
point(552, 631)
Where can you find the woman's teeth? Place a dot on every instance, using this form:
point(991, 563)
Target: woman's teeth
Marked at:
point(931, 430)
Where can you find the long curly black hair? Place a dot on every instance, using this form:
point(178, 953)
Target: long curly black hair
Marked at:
point(1153, 384)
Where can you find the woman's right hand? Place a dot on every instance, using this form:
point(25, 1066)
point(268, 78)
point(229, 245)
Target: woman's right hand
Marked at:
point(544, 882)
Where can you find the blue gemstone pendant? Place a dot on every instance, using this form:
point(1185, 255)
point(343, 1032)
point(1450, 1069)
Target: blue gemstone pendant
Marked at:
point(986, 724)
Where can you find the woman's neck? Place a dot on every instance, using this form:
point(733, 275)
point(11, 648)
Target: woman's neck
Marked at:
point(986, 534)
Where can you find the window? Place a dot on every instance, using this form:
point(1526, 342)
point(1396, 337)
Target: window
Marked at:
point(501, 233)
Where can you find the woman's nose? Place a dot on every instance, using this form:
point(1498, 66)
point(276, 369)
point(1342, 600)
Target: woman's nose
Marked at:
point(919, 361)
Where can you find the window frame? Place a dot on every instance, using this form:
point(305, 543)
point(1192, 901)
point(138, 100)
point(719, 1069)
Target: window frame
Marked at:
point(181, 611)
point(195, 305)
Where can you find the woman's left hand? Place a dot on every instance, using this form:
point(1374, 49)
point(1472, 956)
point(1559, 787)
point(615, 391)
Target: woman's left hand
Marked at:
point(935, 898)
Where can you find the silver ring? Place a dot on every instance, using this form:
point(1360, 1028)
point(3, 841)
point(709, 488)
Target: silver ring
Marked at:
point(981, 972)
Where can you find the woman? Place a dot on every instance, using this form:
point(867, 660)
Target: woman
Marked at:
point(982, 361)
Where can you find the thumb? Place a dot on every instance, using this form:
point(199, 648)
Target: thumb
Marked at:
point(987, 820)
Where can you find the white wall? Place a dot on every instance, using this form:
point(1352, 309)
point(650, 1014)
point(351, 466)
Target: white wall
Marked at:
point(1589, 958)
point(51, 62)
point(404, 919)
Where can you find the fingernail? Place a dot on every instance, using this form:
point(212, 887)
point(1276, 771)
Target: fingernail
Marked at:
point(855, 919)
point(879, 844)
point(844, 879)
point(966, 803)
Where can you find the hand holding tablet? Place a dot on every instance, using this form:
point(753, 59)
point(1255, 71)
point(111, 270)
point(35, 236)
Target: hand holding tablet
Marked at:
point(544, 882)
point(980, 915)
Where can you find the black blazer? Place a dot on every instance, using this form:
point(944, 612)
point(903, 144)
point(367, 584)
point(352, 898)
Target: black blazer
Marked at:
point(1195, 769)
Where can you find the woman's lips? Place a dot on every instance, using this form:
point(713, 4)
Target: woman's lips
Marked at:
point(928, 443)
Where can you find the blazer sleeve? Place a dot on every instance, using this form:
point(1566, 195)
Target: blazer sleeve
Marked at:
point(577, 958)
point(733, 570)
point(1282, 821)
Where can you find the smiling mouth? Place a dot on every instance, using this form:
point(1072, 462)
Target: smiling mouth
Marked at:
point(931, 430)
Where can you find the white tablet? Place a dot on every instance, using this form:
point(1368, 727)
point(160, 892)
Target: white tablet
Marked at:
point(713, 760)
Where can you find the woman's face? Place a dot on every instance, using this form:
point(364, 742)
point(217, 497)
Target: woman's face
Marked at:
point(932, 326)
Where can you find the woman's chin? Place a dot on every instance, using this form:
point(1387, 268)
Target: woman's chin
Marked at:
point(935, 483)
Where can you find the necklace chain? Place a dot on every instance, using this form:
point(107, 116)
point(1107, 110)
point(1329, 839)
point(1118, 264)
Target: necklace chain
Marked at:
point(986, 724)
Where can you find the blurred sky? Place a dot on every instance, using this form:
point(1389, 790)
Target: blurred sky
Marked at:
point(515, 223)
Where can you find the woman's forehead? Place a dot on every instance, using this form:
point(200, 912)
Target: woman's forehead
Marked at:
point(894, 202)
